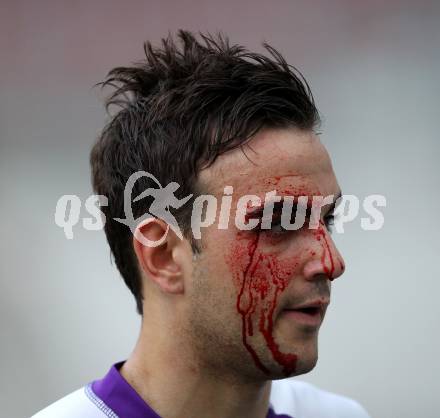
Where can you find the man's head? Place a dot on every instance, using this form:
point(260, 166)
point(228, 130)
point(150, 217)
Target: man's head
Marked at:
point(208, 115)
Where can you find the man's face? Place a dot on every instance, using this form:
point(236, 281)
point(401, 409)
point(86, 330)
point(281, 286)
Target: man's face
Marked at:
point(257, 297)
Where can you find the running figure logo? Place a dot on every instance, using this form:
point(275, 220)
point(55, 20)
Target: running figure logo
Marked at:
point(164, 199)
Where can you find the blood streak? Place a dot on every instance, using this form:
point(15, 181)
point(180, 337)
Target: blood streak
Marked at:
point(244, 312)
point(321, 234)
point(261, 278)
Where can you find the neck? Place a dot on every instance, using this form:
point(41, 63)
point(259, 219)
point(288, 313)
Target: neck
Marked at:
point(168, 378)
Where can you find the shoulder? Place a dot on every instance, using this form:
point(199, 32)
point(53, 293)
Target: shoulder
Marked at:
point(304, 400)
point(81, 403)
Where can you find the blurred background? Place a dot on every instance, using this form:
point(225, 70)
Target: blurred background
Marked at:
point(65, 314)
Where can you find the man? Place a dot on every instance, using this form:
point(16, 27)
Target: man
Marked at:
point(228, 313)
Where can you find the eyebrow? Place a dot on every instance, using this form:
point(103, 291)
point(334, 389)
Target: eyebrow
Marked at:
point(258, 210)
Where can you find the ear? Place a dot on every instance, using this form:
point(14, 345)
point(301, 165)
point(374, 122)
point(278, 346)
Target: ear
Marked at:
point(155, 245)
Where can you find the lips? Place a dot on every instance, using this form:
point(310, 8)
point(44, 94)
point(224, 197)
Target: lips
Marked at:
point(309, 313)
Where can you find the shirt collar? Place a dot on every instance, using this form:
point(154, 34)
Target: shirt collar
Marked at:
point(125, 402)
point(119, 396)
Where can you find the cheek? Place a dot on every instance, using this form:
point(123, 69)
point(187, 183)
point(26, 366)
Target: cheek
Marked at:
point(260, 277)
point(263, 258)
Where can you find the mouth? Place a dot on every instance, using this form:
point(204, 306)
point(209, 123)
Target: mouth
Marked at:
point(310, 314)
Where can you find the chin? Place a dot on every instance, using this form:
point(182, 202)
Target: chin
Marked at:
point(305, 365)
point(307, 356)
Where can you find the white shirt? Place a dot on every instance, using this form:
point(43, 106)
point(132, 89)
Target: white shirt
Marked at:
point(113, 397)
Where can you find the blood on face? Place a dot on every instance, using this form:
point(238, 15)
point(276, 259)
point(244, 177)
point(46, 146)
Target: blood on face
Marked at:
point(261, 274)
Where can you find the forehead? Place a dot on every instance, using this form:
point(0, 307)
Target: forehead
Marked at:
point(288, 160)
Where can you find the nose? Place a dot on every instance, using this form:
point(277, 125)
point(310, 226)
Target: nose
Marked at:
point(324, 259)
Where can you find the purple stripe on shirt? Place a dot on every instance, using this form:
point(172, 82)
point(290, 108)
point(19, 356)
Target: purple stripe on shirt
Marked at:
point(125, 402)
point(119, 396)
point(272, 414)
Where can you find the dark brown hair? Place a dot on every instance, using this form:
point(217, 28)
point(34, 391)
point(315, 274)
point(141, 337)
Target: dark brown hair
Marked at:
point(188, 102)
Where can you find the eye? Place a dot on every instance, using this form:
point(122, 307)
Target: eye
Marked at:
point(329, 221)
point(276, 227)
point(274, 221)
